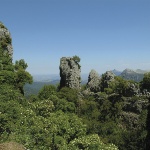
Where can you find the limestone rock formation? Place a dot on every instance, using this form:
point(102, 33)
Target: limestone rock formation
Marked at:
point(106, 79)
point(94, 81)
point(70, 73)
point(5, 40)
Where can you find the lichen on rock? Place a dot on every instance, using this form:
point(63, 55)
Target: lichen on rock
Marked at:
point(5, 40)
point(70, 73)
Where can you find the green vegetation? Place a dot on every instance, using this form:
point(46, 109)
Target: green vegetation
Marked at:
point(76, 58)
point(46, 121)
point(145, 83)
point(148, 129)
point(66, 119)
point(1, 25)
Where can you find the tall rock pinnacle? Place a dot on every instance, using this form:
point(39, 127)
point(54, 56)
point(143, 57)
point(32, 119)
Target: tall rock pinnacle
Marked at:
point(5, 40)
point(70, 73)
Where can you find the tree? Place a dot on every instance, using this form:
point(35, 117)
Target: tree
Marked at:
point(71, 95)
point(60, 101)
point(22, 76)
point(21, 64)
point(145, 83)
point(90, 142)
point(11, 74)
point(5, 60)
point(76, 58)
point(47, 91)
point(148, 128)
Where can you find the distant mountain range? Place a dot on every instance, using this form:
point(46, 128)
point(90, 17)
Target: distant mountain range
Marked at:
point(45, 78)
point(40, 80)
point(136, 75)
point(128, 74)
point(116, 72)
point(52, 77)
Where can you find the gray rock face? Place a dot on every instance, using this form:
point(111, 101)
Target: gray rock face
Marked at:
point(69, 73)
point(94, 81)
point(107, 78)
point(5, 40)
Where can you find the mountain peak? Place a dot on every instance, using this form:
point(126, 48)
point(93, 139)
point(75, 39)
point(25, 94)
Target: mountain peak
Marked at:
point(116, 72)
point(127, 70)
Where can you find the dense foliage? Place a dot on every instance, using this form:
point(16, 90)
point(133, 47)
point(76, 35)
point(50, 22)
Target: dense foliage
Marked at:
point(46, 121)
point(66, 119)
point(76, 58)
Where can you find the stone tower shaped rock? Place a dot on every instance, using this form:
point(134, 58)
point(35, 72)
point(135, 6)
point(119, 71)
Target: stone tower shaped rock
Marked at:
point(5, 40)
point(70, 73)
point(94, 81)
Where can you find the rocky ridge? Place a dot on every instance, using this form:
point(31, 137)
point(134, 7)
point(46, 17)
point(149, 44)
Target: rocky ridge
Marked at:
point(129, 74)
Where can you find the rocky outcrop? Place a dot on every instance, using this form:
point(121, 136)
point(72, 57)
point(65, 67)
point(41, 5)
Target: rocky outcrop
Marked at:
point(106, 79)
point(94, 82)
point(5, 40)
point(70, 73)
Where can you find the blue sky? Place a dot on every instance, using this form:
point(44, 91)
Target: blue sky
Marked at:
point(105, 34)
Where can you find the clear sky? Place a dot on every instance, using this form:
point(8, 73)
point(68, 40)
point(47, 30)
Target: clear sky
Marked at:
point(105, 34)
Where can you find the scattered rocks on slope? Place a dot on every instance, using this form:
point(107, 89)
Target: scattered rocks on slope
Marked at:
point(5, 39)
point(69, 73)
point(94, 81)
